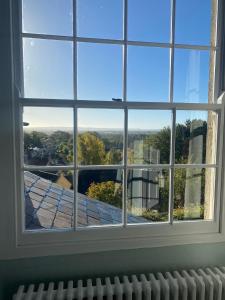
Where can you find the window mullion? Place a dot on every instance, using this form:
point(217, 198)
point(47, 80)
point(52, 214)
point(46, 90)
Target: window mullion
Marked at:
point(125, 142)
point(172, 161)
point(75, 135)
point(173, 129)
point(172, 41)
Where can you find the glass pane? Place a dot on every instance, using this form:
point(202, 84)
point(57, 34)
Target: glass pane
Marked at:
point(100, 197)
point(145, 16)
point(43, 17)
point(194, 194)
point(147, 74)
point(99, 71)
point(49, 199)
point(191, 76)
point(196, 137)
point(48, 68)
point(149, 136)
point(147, 195)
point(193, 22)
point(48, 136)
point(100, 19)
point(100, 136)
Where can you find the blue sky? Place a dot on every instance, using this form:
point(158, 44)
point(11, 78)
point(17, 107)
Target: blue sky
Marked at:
point(48, 64)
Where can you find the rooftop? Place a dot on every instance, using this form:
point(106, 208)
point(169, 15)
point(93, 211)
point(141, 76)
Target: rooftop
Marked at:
point(48, 205)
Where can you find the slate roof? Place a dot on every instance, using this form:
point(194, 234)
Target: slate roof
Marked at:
point(48, 205)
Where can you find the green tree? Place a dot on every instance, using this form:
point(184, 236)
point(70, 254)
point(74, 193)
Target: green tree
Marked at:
point(65, 151)
point(161, 142)
point(91, 149)
point(34, 139)
point(108, 191)
point(113, 156)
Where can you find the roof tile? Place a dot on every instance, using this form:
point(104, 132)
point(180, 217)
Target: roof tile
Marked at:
point(48, 205)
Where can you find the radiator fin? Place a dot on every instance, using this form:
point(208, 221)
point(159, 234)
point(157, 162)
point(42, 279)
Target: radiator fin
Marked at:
point(201, 284)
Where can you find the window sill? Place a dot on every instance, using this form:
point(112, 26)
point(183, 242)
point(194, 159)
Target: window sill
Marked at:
point(33, 244)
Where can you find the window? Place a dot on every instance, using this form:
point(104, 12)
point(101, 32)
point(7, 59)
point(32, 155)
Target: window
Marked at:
point(118, 121)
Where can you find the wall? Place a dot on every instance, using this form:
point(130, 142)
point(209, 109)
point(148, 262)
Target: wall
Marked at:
point(45, 269)
point(15, 272)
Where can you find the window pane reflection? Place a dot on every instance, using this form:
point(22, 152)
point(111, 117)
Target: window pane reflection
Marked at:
point(195, 137)
point(194, 193)
point(148, 195)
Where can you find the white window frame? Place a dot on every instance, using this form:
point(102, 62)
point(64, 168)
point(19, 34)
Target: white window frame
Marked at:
point(77, 240)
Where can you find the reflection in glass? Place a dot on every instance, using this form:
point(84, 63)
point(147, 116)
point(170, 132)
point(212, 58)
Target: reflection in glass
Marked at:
point(43, 17)
point(195, 137)
point(49, 199)
point(191, 75)
point(100, 19)
point(147, 74)
point(48, 69)
point(193, 20)
point(194, 193)
point(145, 17)
point(99, 71)
point(149, 136)
point(48, 138)
point(148, 195)
point(100, 136)
point(100, 194)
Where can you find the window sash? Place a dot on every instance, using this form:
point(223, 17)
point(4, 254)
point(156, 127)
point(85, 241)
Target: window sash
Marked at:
point(218, 108)
point(75, 104)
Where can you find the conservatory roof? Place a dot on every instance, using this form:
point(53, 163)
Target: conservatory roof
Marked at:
point(48, 205)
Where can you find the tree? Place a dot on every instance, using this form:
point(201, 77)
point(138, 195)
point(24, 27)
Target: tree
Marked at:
point(91, 149)
point(34, 139)
point(65, 151)
point(34, 152)
point(114, 156)
point(108, 191)
point(161, 142)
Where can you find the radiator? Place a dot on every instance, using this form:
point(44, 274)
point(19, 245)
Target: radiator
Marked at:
point(207, 283)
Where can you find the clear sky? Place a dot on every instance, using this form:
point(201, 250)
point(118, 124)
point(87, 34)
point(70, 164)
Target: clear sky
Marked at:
point(48, 64)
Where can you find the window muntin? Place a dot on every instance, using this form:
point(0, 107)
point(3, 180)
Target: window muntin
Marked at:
point(123, 99)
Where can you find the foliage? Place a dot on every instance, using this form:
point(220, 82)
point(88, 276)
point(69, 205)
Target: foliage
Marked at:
point(161, 142)
point(91, 149)
point(34, 139)
point(109, 192)
point(65, 151)
point(182, 213)
point(104, 148)
point(114, 156)
point(186, 213)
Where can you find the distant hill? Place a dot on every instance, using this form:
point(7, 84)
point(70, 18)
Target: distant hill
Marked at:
point(50, 130)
